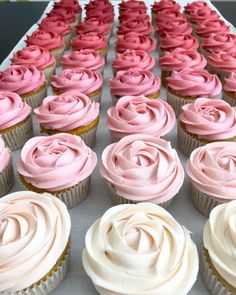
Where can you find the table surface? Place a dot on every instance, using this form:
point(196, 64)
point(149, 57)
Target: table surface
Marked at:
point(77, 282)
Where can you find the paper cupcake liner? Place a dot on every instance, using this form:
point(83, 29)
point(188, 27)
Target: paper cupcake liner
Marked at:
point(57, 53)
point(164, 75)
point(89, 137)
point(35, 99)
point(49, 71)
point(6, 179)
point(229, 99)
point(117, 199)
point(67, 39)
point(96, 97)
point(16, 136)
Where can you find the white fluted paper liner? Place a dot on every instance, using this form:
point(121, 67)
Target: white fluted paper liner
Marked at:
point(6, 179)
point(57, 53)
point(203, 202)
point(89, 137)
point(35, 100)
point(229, 99)
point(16, 137)
point(114, 99)
point(117, 199)
point(67, 39)
point(212, 282)
point(96, 97)
point(49, 71)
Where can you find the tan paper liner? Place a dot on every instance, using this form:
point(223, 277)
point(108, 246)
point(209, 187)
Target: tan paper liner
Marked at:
point(35, 99)
point(16, 136)
point(49, 71)
point(6, 179)
point(89, 137)
point(117, 199)
point(57, 53)
point(229, 99)
point(97, 96)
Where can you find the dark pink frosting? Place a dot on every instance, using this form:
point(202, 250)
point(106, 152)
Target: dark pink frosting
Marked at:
point(66, 13)
point(223, 61)
point(133, 59)
point(133, 4)
point(105, 15)
point(85, 58)
point(81, 80)
point(192, 82)
point(208, 27)
point(200, 15)
point(35, 56)
point(136, 24)
point(89, 40)
point(230, 83)
point(190, 7)
point(174, 27)
point(69, 4)
point(94, 24)
point(135, 40)
point(21, 79)
point(48, 39)
point(180, 58)
point(169, 15)
point(171, 42)
point(130, 13)
point(165, 4)
point(134, 82)
point(99, 5)
point(56, 24)
point(217, 43)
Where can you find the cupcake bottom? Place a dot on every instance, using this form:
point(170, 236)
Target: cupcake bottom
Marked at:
point(214, 282)
point(229, 97)
point(57, 53)
point(49, 71)
point(16, 136)
point(164, 75)
point(6, 179)
point(35, 98)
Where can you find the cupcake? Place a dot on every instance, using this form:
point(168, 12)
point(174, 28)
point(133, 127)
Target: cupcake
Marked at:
point(71, 112)
point(107, 15)
point(185, 86)
point(179, 59)
point(133, 59)
point(50, 40)
point(136, 24)
point(140, 115)
point(173, 27)
point(141, 249)
point(204, 121)
point(35, 234)
point(72, 5)
point(26, 81)
point(36, 56)
point(192, 6)
point(133, 4)
point(131, 13)
point(142, 168)
point(167, 15)
point(218, 255)
point(58, 25)
point(100, 5)
point(134, 41)
point(80, 80)
point(134, 81)
point(84, 58)
point(60, 164)
point(166, 5)
point(229, 89)
point(68, 15)
point(198, 16)
point(6, 169)
point(211, 172)
point(90, 40)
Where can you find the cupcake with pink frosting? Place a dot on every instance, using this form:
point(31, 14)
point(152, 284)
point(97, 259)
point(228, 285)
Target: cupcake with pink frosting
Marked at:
point(84, 58)
point(60, 164)
point(132, 4)
point(211, 169)
point(133, 59)
point(200, 15)
point(67, 14)
point(140, 115)
point(6, 169)
point(27, 81)
point(133, 169)
point(168, 15)
point(16, 120)
point(72, 5)
point(39, 57)
point(80, 80)
point(193, 6)
point(138, 25)
point(71, 112)
point(187, 85)
point(179, 59)
point(130, 13)
point(157, 7)
point(134, 82)
point(103, 14)
point(229, 89)
point(204, 121)
point(173, 27)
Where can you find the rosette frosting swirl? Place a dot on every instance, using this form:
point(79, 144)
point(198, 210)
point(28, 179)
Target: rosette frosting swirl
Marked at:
point(190, 7)
point(131, 13)
point(94, 24)
point(212, 169)
point(90, 40)
point(5, 155)
point(200, 15)
point(210, 119)
point(140, 249)
point(167, 15)
point(48, 39)
point(136, 24)
point(99, 5)
point(165, 4)
point(208, 27)
point(107, 15)
point(217, 43)
point(140, 115)
point(67, 111)
point(143, 167)
point(223, 61)
point(171, 42)
point(132, 4)
point(34, 232)
point(219, 240)
point(81, 80)
point(230, 83)
point(56, 162)
point(69, 4)
point(56, 24)
point(174, 27)
point(67, 14)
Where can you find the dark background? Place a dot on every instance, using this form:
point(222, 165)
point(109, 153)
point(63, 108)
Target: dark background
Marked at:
point(17, 18)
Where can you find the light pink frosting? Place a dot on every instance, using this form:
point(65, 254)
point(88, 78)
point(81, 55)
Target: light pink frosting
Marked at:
point(211, 119)
point(89, 40)
point(230, 83)
point(94, 24)
point(165, 4)
point(191, 82)
point(130, 13)
point(223, 61)
point(133, 59)
point(174, 27)
point(134, 81)
point(143, 168)
point(190, 7)
point(212, 169)
point(171, 42)
point(169, 15)
point(136, 24)
point(107, 15)
point(48, 39)
point(217, 43)
point(67, 14)
point(35, 56)
point(12, 109)
point(5, 155)
point(140, 115)
point(208, 27)
point(201, 14)
point(134, 40)
point(67, 111)
point(56, 162)
point(21, 79)
point(69, 4)
point(133, 4)
point(81, 80)
point(56, 24)
point(180, 58)
point(84, 58)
